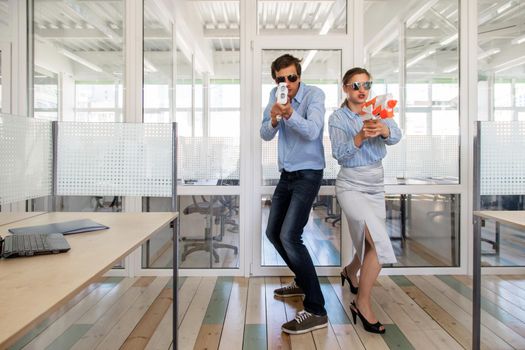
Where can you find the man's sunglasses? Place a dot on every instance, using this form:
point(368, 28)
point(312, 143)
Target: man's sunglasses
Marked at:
point(292, 78)
point(357, 85)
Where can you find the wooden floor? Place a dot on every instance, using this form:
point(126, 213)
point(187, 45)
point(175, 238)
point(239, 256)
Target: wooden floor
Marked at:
point(419, 312)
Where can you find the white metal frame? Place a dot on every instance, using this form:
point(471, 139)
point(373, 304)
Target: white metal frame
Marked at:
point(354, 56)
point(257, 45)
point(5, 51)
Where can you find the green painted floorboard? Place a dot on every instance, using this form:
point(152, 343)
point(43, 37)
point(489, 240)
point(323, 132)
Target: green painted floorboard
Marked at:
point(395, 339)
point(69, 337)
point(216, 311)
point(254, 337)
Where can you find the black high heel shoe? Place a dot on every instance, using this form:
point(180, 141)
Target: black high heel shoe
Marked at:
point(344, 277)
point(369, 327)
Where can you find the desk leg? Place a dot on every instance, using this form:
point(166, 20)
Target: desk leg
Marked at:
point(403, 209)
point(175, 283)
point(497, 238)
point(476, 287)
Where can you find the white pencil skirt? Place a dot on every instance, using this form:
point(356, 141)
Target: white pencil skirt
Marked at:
point(361, 195)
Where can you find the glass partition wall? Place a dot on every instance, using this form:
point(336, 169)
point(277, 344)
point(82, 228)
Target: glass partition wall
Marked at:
point(194, 78)
point(416, 60)
point(78, 74)
point(501, 102)
point(207, 112)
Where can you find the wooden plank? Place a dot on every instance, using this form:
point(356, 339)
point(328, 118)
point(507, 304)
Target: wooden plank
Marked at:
point(144, 281)
point(325, 338)
point(69, 337)
point(163, 336)
point(233, 331)
point(212, 324)
point(347, 337)
point(219, 301)
point(517, 280)
point(369, 340)
point(105, 303)
point(108, 319)
point(420, 318)
point(141, 334)
point(407, 315)
point(489, 340)
point(447, 301)
point(395, 338)
point(190, 325)
point(492, 311)
point(209, 336)
point(119, 333)
point(186, 294)
point(275, 316)
point(254, 337)
point(255, 307)
point(496, 299)
point(460, 333)
point(71, 316)
point(255, 327)
point(505, 289)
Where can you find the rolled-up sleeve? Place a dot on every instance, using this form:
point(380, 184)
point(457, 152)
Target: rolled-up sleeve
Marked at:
point(395, 132)
point(267, 131)
point(311, 126)
point(343, 146)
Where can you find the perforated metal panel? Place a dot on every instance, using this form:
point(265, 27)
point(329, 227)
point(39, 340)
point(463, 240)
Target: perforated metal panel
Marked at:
point(25, 158)
point(270, 160)
point(114, 159)
point(502, 168)
point(270, 165)
point(206, 160)
point(427, 158)
point(432, 158)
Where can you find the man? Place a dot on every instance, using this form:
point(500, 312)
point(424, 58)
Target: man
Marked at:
point(299, 124)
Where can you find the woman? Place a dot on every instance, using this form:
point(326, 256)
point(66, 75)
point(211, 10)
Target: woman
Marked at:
point(359, 147)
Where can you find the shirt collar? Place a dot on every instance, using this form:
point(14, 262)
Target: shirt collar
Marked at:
point(350, 112)
point(300, 93)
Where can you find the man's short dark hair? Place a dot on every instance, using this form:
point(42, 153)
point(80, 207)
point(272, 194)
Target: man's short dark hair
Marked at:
point(284, 61)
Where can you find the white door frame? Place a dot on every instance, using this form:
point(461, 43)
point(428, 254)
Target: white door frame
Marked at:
point(284, 43)
point(5, 51)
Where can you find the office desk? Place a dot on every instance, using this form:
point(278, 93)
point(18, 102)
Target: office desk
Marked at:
point(8, 218)
point(33, 287)
point(515, 219)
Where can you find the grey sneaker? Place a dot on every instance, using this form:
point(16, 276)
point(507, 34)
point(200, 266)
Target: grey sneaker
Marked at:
point(291, 290)
point(305, 322)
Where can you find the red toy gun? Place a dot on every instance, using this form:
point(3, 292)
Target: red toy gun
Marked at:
point(381, 106)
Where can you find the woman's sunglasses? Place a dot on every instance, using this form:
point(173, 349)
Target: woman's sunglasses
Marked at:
point(357, 85)
point(292, 78)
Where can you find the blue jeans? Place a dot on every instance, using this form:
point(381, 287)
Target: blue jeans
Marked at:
point(291, 205)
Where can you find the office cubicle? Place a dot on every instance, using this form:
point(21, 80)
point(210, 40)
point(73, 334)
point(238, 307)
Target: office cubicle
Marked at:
point(60, 159)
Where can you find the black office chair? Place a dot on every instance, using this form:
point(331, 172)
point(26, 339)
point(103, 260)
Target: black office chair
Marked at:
point(212, 210)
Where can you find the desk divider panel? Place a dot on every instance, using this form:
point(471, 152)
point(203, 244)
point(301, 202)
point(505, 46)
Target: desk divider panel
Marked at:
point(502, 158)
point(431, 157)
point(208, 159)
point(26, 158)
point(120, 159)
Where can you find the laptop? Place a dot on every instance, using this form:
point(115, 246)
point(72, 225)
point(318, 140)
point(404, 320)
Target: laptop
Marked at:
point(29, 244)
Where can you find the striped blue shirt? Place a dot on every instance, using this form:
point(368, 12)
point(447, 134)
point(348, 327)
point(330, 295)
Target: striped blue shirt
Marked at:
point(344, 125)
point(300, 140)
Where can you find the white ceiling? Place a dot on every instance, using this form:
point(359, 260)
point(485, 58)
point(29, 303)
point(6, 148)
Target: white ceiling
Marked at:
point(93, 30)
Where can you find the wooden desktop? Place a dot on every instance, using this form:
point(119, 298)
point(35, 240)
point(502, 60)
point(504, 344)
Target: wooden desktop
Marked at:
point(33, 287)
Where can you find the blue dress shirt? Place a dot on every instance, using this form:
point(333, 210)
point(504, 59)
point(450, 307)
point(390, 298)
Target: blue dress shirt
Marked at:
point(344, 125)
point(300, 142)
